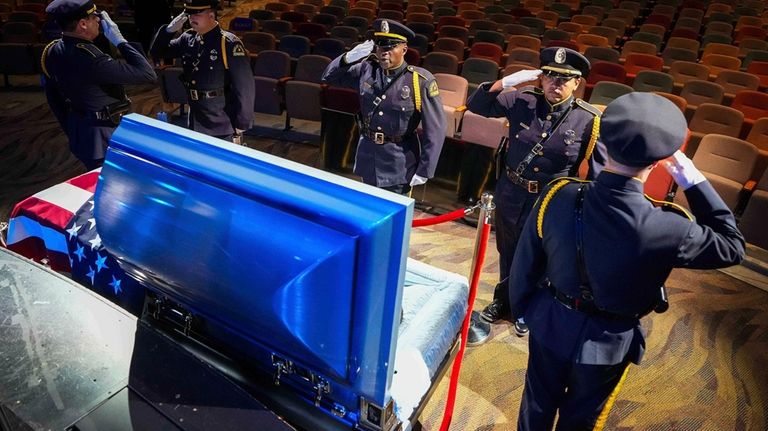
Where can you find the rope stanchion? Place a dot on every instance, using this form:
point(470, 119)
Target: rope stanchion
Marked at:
point(453, 215)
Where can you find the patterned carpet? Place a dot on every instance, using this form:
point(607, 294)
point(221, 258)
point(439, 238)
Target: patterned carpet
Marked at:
point(705, 367)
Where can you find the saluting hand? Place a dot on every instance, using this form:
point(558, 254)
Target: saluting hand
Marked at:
point(177, 23)
point(359, 52)
point(519, 77)
point(683, 171)
point(111, 31)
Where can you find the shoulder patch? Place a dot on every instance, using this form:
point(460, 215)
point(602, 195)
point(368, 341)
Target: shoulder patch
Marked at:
point(90, 49)
point(672, 207)
point(238, 50)
point(433, 90)
point(586, 106)
point(557, 184)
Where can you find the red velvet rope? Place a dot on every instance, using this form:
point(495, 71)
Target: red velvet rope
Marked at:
point(453, 215)
point(448, 414)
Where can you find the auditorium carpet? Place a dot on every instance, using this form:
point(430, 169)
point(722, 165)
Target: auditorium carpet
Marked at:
point(705, 366)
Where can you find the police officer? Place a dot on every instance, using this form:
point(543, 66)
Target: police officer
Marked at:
point(606, 251)
point(550, 133)
point(217, 71)
point(83, 85)
point(395, 98)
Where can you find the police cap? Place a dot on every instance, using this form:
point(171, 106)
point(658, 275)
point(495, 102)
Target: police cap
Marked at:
point(639, 129)
point(564, 61)
point(64, 11)
point(196, 6)
point(387, 32)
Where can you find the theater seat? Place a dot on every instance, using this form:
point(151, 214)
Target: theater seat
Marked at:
point(453, 93)
point(172, 89)
point(752, 221)
point(271, 69)
point(303, 92)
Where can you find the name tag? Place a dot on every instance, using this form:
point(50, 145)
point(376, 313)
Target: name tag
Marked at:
point(524, 126)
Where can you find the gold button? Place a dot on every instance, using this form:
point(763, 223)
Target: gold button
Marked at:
point(541, 153)
point(549, 117)
point(536, 169)
point(517, 136)
point(381, 112)
point(378, 128)
point(193, 81)
point(383, 96)
point(544, 135)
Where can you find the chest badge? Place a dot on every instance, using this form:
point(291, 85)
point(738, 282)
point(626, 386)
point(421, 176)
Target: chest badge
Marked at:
point(569, 137)
point(405, 92)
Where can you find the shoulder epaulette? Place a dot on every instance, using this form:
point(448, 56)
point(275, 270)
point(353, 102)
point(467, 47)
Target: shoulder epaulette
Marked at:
point(532, 90)
point(586, 106)
point(44, 55)
point(557, 184)
point(90, 49)
point(671, 206)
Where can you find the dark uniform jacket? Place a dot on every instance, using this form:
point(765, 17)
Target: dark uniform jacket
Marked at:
point(630, 248)
point(217, 72)
point(80, 81)
point(402, 152)
point(530, 117)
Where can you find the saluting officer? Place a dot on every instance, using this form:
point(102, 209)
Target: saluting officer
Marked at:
point(83, 85)
point(395, 98)
point(550, 133)
point(606, 251)
point(217, 71)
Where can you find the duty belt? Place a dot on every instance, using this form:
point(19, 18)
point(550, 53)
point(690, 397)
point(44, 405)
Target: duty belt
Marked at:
point(586, 307)
point(380, 138)
point(195, 94)
point(530, 185)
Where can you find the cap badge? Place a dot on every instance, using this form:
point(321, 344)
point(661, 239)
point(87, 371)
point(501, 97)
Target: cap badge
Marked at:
point(560, 56)
point(384, 26)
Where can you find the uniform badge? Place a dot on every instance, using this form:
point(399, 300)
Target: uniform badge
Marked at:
point(384, 26)
point(570, 137)
point(524, 126)
point(405, 92)
point(238, 51)
point(433, 90)
point(214, 55)
point(560, 56)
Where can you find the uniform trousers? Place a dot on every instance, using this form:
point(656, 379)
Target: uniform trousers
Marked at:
point(402, 189)
point(555, 383)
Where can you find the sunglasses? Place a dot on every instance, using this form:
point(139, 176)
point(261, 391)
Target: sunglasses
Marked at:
point(551, 74)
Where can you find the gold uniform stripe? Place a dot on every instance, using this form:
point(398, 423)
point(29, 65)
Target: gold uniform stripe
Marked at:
point(45, 54)
point(593, 138)
point(390, 35)
point(91, 10)
point(417, 91)
point(562, 70)
point(224, 51)
point(680, 208)
point(197, 7)
point(609, 403)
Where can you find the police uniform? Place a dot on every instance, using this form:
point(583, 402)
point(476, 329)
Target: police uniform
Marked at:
point(217, 74)
point(84, 86)
point(393, 103)
point(545, 141)
point(584, 323)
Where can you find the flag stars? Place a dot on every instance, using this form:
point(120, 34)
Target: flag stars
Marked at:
point(92, 223)
point(101, 262)
point(80, 252)
point(95, 242)
point(73, 230)
point(91, 274)
point(116, 285)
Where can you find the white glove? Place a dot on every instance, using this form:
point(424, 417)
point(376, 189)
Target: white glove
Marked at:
point(359, 52)
point(417, 180)
point(683, 171)
point(177, 23)
point(111, 31)
point(237, 138)
point(519, 77)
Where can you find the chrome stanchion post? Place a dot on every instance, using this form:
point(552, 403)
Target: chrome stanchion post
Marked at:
point(479, 331)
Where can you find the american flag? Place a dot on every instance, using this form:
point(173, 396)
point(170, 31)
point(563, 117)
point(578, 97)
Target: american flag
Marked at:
point(57, 227)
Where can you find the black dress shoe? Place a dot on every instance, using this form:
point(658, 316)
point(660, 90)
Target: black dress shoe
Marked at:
point(494, 311)
point(521, 328)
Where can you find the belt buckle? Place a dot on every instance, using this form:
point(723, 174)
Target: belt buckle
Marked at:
point(193, 94)
point(533, 186)
point(378, 137)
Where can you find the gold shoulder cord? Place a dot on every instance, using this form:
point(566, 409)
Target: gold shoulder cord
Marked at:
point(593, 138)
point(417, 91)
point(224, 50)
point(543, 208)
point(679, 208)
point(42, 58)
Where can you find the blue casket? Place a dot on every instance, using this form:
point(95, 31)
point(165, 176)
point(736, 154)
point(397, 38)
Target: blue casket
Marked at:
point(272, 268)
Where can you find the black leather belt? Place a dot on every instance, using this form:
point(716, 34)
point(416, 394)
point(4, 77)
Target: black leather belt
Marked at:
point(530, 185)
point(587, 307)
point(380, 138)
point(205, 94)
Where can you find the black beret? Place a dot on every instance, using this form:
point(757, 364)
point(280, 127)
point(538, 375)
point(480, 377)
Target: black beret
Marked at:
point(195, 6)
point(639, 129)
point(64, 11)
point(564, 60)
point(387, 30)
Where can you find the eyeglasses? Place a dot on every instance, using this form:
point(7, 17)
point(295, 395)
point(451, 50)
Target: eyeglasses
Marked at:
point(551, 74)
